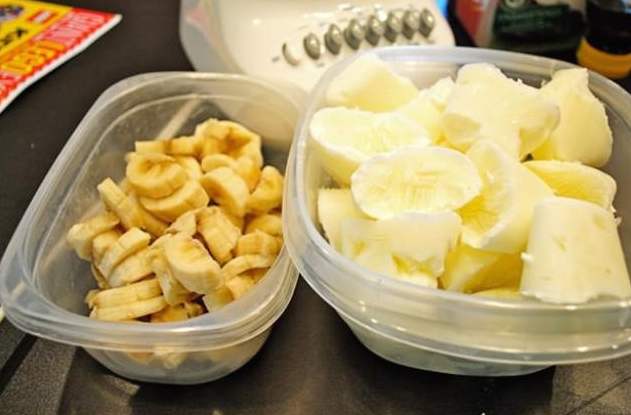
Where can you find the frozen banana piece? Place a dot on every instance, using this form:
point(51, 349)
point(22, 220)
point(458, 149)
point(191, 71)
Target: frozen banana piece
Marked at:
point(129, 311)
point(188, 197)
point(190, 165)
point(219, 233)
point(212, 134)
point(191, 264)
point(257, 242)
point(119, 203)
point(130, 242)
point(181, 146)
point(177, 312)
point(268, 193)
point(173, 291)
point(218, 298)
point(239, 285)
point(249, 172)
point(227, 189)
point(138, 291)
point(81, 235)
point(101, 281)
point(131, 269)
point(269, 223)
point(244, 263)
point(185, 223)
point(151, 223)
point(155, 175)
point(251, 149)
point(214, 161)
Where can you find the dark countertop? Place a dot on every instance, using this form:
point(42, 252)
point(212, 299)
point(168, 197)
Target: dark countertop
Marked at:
point(312, 363)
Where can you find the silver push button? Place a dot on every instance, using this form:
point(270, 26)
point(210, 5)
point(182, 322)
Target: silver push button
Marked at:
point(374, 30)
point(393, 27)
point(428, 22)
point(411, 23)
point(292, 52)
point(312, 45)
point(333, 39)
point(354, 34)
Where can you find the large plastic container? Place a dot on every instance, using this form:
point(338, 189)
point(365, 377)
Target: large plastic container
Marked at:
point(447, 331)
point(43, 282)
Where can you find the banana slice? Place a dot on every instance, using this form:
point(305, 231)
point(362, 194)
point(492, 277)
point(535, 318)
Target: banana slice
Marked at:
point(501, 293)
point(570, 179)
point(470, 270)
point(154, 175)
point(410, 246)
point(185, 223)
point(131, 269)
point(334, 205)
point(499, 218)
point(151, 223)
point(574, 253)
point(81, 235)
point(413, 179)
point(239, 285)
point(344, 138)
point(181, 146)
point(256, 274)
point(244, 263)
point(227, 189)
point(369, 84)
point(237, 221)
point(249, 172)
point(102, 242)
point(219, 233)
point(583, 133)
point(256, 242)
point(119, 203)
point(217, 298)
point(100, 279)
point(269, 223)
point(129, 311)
point(173, 291)
point(212, 134)
point(191, 264)
point(426, 109)
point(214, 161)
point(190, 165)
point(268, 193)
point(250, 150)
point(138, 291)
point(127, 244)
point(177, 312)
point(189, 197)
point(485, 104)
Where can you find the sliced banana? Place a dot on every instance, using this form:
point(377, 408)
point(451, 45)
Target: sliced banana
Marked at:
point(127, 244)
point(214, 161)
point(219, 233)
point(191, 264)
point(155, 175)
point(181, 146)
point(82, 235)
point(227, 189)
point(129, 311)
point(239, 285)
point(256, 242)
point(217, 298)
point(268, 193)
point(119, 203)
point(185, 223)
point(177, 312)
point(269, 223)
point(334, 205)
point(212, 134)
point(188, 197)
point(249, 172)
point(415, 179)
point(131, 269)
point(100, 279)
point(244, 263)
point(190, 165)
point(142, 290)
point(173, 291)
point(151, 223)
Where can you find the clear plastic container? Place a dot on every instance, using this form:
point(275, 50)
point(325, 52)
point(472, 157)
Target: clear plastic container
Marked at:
point(43, 282)
point(446, 331)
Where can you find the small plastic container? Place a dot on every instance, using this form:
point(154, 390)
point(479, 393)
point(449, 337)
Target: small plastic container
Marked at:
point(446, 331)
point(42, 281)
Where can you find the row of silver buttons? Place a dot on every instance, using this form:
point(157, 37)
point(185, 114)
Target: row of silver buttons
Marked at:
point(355, 33)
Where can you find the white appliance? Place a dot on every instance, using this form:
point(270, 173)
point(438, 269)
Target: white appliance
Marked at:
point(292, 42)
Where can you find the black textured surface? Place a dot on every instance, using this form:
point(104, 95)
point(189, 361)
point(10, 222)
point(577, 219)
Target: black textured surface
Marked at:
point(312, 364)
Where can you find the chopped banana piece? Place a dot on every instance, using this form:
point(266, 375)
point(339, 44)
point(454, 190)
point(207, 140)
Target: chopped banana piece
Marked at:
point(251, 150)
point(239, 285)
point(244, 263)
point(101, 281)
point(173, 291)
point(185, 223)
point(151, 223)
point(90, 295)
point(181, 146)
point(249, 172)
point(82, 234)
point(214, 161)
point(268, 193)
point(119, 203)
point(257, 242)
point(155, 175)
point(129, 311)
point(177, 312)
point(130, 242)
point(191, 264)
point(256, 274)
point(190, 165)
point(219, 233)
point(212, 134)
point(188, 197)
point(269, 223)
point(227, 189)
point(217, 298)
point(138, 291)
point(131, 269)
point(237, 221)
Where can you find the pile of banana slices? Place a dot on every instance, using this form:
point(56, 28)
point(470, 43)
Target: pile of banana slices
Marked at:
point(194, 225)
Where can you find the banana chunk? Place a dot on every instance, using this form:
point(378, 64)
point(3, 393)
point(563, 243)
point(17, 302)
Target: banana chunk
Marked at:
point(131, 269)
point(129, 311)
point(191, 264)
point(257, 242)
point(181, 146)
point(177, 312)
point(130, 242)
point(249, 172)
point(101, 281)
point(217, 298)
point(119, 203)
point(189, 197)
point(227, 189)
point(82, 235)
point(239, 285)
point(190, 165)
point(138, 291)
point(214, 161)
point(212, 134)
point(155, 175)
point(269, 223)
point(173, 291)
point(151, 223)
point(244, 263)
point(219, 233)
point(185, 223)
point(268, 193)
